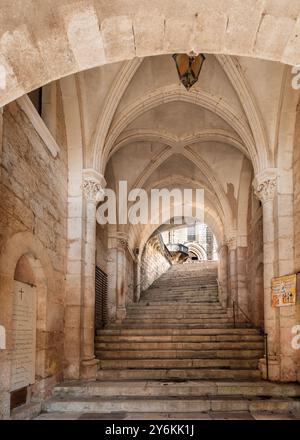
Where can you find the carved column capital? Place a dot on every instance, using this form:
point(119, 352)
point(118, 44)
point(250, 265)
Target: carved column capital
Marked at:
point(118, 240)
point(93, 185)
point(231, 243)
point(122, 240)
point(265, 185)
point(231, 239)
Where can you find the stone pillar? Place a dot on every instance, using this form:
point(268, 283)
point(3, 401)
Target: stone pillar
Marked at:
point(223, 274)
point(242, 291)
point(117, 244)
point(232, 271)
point(1, 135)
point(285, 245)
point(112, 253)
point(93, 184)
point(122, 242)
point(209, 244)
point(265, 185)
point(137, 280)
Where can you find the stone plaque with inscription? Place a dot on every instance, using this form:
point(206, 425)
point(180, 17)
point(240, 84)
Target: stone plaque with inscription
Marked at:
point(23, 336)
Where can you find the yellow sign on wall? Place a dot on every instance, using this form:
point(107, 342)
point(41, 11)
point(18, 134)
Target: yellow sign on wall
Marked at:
point(284, 291)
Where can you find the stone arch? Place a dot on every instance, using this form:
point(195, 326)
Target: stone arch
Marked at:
point(210, 218)
point(112, 101)
point(76, 36)
point(172, 141)
point(200, 163)
point(198, 250)
point(171, 94)
point(237, 78)
point(180, 180)
point(29, 270)
point(25, 246)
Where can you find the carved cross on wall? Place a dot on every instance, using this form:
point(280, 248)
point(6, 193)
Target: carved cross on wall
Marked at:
point(21, 291)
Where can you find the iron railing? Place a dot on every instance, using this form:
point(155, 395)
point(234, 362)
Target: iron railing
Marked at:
point(235, 310)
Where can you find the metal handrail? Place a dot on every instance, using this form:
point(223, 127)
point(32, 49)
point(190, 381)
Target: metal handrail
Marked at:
point(236, 305)
point(266, 354)
point(264, 334)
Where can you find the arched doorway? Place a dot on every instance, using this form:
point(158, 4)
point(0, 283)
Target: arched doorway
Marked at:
point(28, 321)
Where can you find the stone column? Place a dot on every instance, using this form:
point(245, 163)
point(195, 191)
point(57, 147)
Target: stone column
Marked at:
point(117, 244)
point(242, 291)
point(232, 271)
point(209, 244)
point(265, 185)
point(137, 280)
point(223, 274)
point(122, 243)
point(93, 185)
point(1, 134)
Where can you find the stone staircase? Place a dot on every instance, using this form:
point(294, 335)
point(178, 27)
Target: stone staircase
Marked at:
point(178, 352)
point(179, 330)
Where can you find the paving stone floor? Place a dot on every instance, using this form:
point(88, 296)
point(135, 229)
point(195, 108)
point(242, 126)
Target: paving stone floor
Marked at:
point(242, 415)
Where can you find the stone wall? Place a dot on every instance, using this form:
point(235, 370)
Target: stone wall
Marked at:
point(297, 218)
point(297, 192)
point(33, 209)
point(154, 263)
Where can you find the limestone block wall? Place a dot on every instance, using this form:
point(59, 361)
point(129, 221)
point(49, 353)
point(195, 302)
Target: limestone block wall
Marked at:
point(154, 263)
point(33, 210)
point(297, 218)
point(297, 193)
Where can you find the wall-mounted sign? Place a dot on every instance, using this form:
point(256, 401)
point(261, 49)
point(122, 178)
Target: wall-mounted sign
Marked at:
point(284, 291)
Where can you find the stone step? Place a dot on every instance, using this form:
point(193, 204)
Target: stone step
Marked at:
point(189, 278)
point(182, 286)
point(161, 298)
point(180, 320)
point(177, 306)
point(186, 295)
point(202, 297)
point(178, 354)
point(179, 374)
point(138, 316)
point(178, 363)
point(189, 339)
point(138, 313)
point(167, 288)
point(172, 302)
point(183, 404)
point(192, 301)
point(180, 282)
point(153, 326)
point(176, 321)
point(146, 305)
point(117, 345)
point(144, 388)
point(179, 331)
point(187, 290)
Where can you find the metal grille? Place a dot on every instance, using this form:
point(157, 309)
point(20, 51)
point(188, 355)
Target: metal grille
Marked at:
point(101, 299)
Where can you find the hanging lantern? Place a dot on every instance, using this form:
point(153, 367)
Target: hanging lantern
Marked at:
point(189, 68)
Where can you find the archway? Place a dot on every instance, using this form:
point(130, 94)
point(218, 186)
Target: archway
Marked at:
point(28, 324)
point(71, 37)
point(25, 269)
